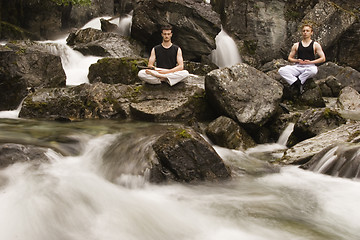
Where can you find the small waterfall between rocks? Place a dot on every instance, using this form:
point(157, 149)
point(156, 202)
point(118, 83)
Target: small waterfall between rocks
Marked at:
point(226, 53)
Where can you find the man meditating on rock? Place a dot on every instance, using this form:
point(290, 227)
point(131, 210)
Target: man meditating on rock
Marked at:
point(304, 67)
point(169, 62)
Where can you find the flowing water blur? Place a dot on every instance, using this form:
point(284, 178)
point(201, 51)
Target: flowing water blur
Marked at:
point(100, 194)
point(226, 53)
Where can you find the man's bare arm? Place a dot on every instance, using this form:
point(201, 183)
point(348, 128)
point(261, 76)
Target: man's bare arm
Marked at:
point(292, 54)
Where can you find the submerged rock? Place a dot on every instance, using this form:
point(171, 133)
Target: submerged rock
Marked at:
point(11, 153)
point(185, 156)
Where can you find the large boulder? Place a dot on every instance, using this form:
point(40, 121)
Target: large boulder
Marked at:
point(185, 156)
point(195, 25)
point(81, 102)
point(346, 76)
point(25, 65)
point(305, 150)
point(184, 101)
point(94, 42)
point(243, 93)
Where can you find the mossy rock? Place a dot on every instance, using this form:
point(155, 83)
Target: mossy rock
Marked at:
point(116, 70)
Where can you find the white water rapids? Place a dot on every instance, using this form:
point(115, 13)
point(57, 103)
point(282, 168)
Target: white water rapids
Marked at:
point(80, 198)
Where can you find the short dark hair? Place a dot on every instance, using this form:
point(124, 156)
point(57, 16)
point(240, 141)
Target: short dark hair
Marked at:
point(166, 27)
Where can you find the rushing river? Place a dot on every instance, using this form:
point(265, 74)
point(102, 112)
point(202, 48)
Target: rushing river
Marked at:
point(84, 197)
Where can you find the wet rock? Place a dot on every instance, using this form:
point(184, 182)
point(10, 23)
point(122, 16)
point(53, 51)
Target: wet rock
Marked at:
point(225, 132)
point(243, 93)
point(195, 25)
point(349, 99)
point(11, 153)
point(116, 70)
point(107, 26)
point(303, 151)
point(339, 160)
point(25, 65)
point(313, 122)
point(184, 156)
point(91, 41)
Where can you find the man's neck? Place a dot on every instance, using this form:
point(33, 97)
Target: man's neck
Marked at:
point(306, 40)
point(166, 44)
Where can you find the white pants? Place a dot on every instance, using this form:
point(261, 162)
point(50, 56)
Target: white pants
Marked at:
point(173, 78)
point(302, 72)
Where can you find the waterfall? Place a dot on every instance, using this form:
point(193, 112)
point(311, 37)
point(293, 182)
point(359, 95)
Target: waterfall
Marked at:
point(11, 113)
point(341, 160)
point(75, 64)
point(226, 53)
point(125, 24)
point(284, 137)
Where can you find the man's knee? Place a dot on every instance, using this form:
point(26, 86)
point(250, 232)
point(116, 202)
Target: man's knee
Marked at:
point(142, 74)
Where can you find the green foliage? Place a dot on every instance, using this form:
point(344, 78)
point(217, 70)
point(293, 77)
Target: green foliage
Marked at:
point(182, 133)
point(74, 2)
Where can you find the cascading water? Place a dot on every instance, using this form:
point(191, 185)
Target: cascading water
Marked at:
point(75, 64)
point(226, 53)
point(96, 196)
